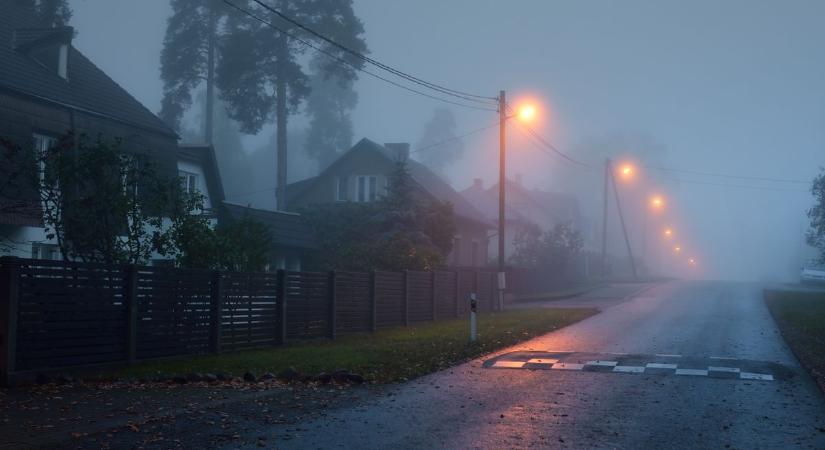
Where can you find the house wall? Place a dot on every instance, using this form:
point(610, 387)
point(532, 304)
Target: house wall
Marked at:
point(197, 169)
point(367, 163)
point(21, 117)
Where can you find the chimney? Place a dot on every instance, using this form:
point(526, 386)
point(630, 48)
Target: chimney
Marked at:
point(519, 180)
point(478, 183)
point(400, 150)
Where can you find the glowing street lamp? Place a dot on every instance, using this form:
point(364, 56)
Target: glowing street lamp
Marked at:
point(527, 113)
point(677, 249)
point(627, 171)
point(668, 233)
point(692, 261)
point(657, 203)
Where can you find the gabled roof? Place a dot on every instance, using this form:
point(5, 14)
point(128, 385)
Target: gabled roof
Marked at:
point(204, 155)
point(425, 178)
point(487, 202)
point(86, 88)
point(288, 229)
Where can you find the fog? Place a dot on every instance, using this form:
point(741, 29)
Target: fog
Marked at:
point(729, 87)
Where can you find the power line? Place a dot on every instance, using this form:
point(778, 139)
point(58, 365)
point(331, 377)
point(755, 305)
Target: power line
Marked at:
point(454, 138)
point(434, 86)
point(738, 177)
point(343, 61)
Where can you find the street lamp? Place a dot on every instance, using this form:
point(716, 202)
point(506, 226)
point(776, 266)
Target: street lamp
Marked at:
point(627, 171)
point(525, 113)
point(657, 203)
point(668, 233)
point(677, 249)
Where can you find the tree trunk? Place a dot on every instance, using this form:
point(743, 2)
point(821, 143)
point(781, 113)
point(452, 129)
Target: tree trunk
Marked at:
point(281, 119)
point(210, 79)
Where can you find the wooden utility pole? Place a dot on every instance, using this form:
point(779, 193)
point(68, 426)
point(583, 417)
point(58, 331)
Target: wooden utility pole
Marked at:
point(621, 219)
point(502, 117)
point(604, 218)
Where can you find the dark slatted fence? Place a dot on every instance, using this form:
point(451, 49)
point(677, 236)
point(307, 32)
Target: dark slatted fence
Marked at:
point(56, 314)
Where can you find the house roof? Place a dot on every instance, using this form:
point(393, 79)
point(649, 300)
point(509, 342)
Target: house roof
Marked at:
point(204, 155)
point(487, 202)
point(559, 206)
point(427, 180)
point(288, 229)
point(86, 88)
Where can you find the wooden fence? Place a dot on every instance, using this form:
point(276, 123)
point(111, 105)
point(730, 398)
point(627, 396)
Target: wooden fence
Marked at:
point(57, 315)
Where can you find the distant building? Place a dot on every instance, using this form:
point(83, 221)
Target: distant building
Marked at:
point(47, 89)
point(362, 174)
point(524, 207)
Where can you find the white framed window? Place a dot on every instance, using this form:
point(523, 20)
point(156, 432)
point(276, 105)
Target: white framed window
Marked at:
point(366, 188)
point(45, 251)
point(189, 182)
point(341, 189)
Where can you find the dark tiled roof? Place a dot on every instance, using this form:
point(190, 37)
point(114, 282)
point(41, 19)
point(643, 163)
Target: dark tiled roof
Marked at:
point(423, 176)
point(487, 202)
point(205, 156)
point(288, 229)
point(87, 88)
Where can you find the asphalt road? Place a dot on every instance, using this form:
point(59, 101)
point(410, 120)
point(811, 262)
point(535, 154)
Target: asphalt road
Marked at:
point(681, 365)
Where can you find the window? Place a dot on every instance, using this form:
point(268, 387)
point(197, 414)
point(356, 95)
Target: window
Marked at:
point(45, 251)
point(42, 144)
point(341, 189)
point(189, 181)
point(367, 188)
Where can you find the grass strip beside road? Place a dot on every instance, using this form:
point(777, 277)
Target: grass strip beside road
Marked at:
point(560, 294)
point(801, 319)
point(396, 354)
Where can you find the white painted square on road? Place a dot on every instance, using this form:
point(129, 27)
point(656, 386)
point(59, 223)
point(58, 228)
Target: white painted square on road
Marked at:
point(602, 363)
point(694, 372)
point(723, 369)
point(660, 366)
point(629, 369)
point(542, 361)
point(567, 366)
point(755, 376)
point(509, 364)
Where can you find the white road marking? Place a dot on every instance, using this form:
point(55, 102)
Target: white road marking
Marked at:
point(755, 376)
point(601, 363)
point(665, 355)
point(723, 369)
point(695, 372)
point(629, 369)
point(660, 366)
point(509, 364)
point(567, 366)
point(542, 361)
point(721, 357)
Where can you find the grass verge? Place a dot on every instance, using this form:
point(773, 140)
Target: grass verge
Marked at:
point(391, 355)
point(560, 294)
point(801, 319)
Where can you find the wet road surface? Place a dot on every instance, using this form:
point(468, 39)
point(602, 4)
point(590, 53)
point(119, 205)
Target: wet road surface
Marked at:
point(707, 369)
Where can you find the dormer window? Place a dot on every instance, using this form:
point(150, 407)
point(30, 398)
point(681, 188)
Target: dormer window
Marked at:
point(63, 62)
point(48, 46)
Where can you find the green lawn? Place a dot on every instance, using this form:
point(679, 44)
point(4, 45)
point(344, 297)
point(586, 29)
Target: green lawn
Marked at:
point(386, 356)
point(801, 318)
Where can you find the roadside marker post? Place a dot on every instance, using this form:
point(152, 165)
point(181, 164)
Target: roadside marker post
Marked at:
point(473, 307)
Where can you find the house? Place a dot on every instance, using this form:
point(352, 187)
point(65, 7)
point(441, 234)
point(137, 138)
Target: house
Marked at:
point(524, 208)
point(198, 172)
point(292, 241)
point(362, 174)
point(48, 89)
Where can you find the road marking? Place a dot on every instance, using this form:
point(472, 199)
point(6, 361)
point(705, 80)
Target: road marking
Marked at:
point(509, 364)
point(723, 369)
point(660, 366)
point(665, 355)
point(542, 361)
point(694, 372)
point(601, 363)
point(722, 357)
point(629, 369)
point(755, 376)
point(567, 366)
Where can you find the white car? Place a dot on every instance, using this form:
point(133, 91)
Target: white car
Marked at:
point(813, 273)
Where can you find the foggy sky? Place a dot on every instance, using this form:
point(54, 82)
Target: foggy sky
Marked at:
point(731, 87)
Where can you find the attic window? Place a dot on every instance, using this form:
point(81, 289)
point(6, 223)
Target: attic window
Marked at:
point(63, 62)
point(53, 57)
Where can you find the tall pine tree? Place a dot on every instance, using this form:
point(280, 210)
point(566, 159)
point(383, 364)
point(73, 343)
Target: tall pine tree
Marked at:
point(189, 58)
point(262, 74)
point(49, 13)
point(328, 106)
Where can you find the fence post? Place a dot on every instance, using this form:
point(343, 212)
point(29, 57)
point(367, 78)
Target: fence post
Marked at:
point(131, 302)
point(9, 298)
point(216, 306)
point(332, 302)
point(406, 298)
point(280, 329)
point(435, 296)
point(457, 293)
point(373, 304)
